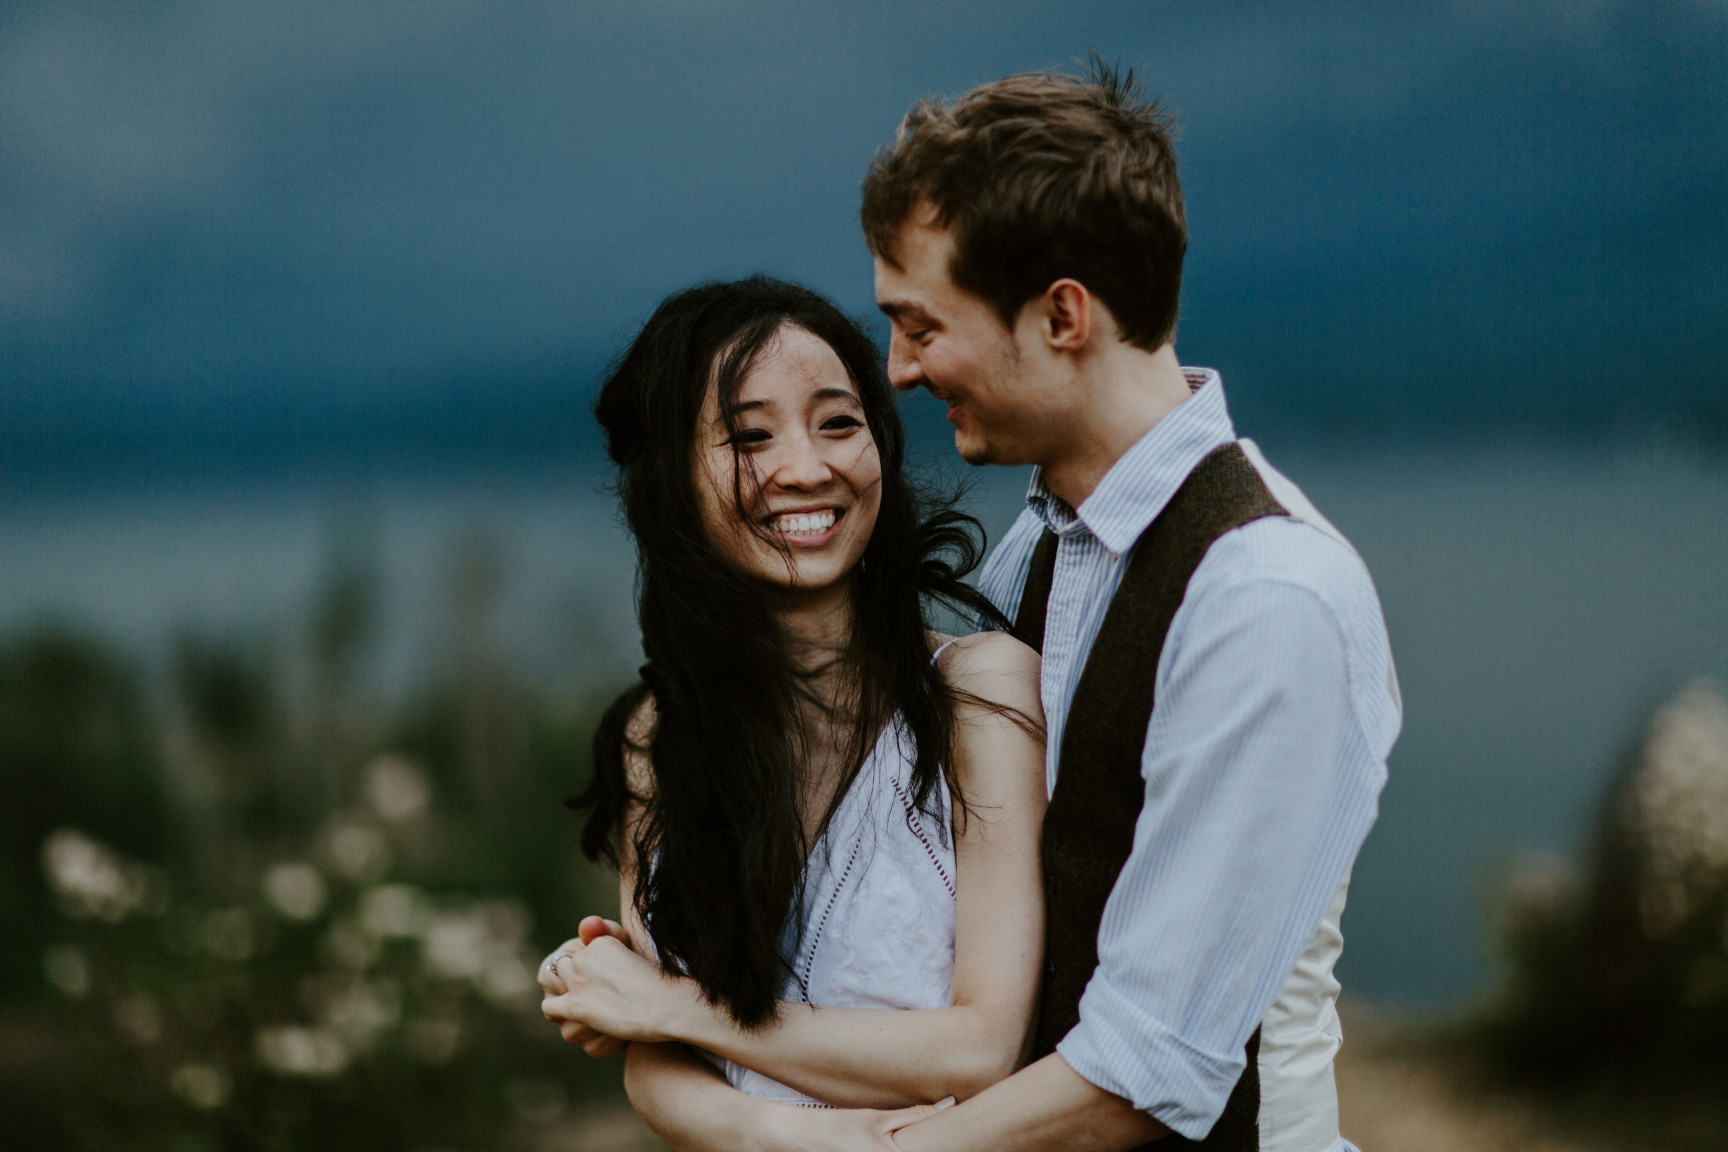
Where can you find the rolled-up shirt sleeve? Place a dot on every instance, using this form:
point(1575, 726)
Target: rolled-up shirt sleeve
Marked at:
point(1260, 789)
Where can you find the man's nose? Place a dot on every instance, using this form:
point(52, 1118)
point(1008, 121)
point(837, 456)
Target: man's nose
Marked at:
point(904, 371)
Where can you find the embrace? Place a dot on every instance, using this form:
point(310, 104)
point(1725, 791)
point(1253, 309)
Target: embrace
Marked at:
point(1073, 881)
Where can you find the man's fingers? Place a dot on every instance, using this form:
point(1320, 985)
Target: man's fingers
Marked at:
point(905, 1117)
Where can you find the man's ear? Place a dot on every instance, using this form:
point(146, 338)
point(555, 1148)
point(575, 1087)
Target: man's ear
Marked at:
point(1067, 317)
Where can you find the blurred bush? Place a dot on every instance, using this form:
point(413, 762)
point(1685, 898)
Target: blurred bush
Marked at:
point(242, 914)
point(1615, 995)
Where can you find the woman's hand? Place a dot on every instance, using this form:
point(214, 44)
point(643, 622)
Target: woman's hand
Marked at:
point(590, 929)
point(601, 994)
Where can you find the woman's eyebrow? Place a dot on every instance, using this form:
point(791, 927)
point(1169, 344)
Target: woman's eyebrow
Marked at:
point(835, 394)
point(743, 406)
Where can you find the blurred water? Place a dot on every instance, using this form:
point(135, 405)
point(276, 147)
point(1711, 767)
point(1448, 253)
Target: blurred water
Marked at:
point(1541, 596)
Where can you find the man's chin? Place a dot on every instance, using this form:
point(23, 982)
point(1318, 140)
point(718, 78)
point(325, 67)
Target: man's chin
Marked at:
point(973, 450)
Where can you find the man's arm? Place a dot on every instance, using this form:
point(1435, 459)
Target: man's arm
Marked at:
point(1259, 791)
point(1258, 795)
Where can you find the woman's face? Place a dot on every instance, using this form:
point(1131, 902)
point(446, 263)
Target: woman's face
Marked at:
point(809, 479)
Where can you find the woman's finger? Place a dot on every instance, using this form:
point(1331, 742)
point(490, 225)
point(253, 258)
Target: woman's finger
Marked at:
point(593, 927)
point(576, 1032)
point(602, 1046)
point(547, 974)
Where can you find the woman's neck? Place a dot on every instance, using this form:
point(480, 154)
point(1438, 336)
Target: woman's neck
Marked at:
point(817, 625)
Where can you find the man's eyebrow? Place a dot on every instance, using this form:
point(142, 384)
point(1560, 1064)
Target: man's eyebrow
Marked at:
point(902, 309)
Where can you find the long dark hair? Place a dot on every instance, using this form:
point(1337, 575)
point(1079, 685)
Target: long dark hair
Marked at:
point(721, 850)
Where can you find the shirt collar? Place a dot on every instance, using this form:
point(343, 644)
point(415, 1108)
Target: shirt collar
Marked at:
point(1141, 482)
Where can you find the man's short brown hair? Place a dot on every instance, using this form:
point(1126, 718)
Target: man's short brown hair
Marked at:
point(1043, 176)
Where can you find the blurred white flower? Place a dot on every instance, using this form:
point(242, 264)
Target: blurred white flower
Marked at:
point(456, 944)
point(291, 1050)
point(483, 944)
point(228, 934)
point(67, 970)
point(361, 1011)
point(397, 788)
point(507, 977)
point(506, 921)
point(139, 1019)
point(434, 1040)
point(348, 945)
point(393, 910)
point(92, 879)
point(296, 890)
point(358, 852)
point(1678, 806)
point(204, 1086)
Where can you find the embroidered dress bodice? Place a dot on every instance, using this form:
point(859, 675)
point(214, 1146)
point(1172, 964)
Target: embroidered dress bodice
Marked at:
point(875, 928)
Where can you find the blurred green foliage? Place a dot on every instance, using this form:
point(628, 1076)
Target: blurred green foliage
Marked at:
point(248, 907)
point(1614, 1002)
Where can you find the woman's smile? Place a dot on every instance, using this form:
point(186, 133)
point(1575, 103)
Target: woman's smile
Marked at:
point(809, 527)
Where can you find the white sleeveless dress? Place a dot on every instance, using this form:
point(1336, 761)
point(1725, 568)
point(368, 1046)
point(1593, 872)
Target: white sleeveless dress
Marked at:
point(877, 914)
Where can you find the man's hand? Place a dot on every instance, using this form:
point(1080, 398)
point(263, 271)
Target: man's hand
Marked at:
point(554, 984)
point(842, 1129)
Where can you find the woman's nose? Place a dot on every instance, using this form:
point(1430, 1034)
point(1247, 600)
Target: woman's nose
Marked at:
point(801, 464)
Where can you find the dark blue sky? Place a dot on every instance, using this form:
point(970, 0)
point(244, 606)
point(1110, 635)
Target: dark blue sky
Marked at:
point(233, 237)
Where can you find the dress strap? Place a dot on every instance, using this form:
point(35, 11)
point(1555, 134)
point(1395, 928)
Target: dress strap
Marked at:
point(943, 649)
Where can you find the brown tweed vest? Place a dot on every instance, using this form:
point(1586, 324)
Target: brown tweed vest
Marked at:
point(1089, 827)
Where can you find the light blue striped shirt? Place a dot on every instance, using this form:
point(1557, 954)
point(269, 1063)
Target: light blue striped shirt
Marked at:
point(1276, 706)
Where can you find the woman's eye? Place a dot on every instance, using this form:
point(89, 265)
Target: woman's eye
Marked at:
point(841, 423)
point(751, 438)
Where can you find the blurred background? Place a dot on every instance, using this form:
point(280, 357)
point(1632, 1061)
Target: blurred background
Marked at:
point(310, 586)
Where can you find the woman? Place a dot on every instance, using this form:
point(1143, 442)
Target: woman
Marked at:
point(819, 809)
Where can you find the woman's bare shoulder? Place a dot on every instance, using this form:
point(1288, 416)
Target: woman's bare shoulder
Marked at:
point(986, 653)
point(996, 668)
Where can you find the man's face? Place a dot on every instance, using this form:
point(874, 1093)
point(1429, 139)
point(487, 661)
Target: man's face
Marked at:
point(997, 382)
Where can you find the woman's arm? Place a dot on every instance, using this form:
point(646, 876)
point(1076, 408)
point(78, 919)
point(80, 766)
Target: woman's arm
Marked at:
point(874, 1057)
point(688, 1104)
point(682, 1097)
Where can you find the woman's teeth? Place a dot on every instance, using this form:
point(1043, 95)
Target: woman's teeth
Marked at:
point(805, 523)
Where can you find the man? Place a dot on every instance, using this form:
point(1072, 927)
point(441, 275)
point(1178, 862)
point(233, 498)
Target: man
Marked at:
point(1218, 688)
point(1217, 685)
